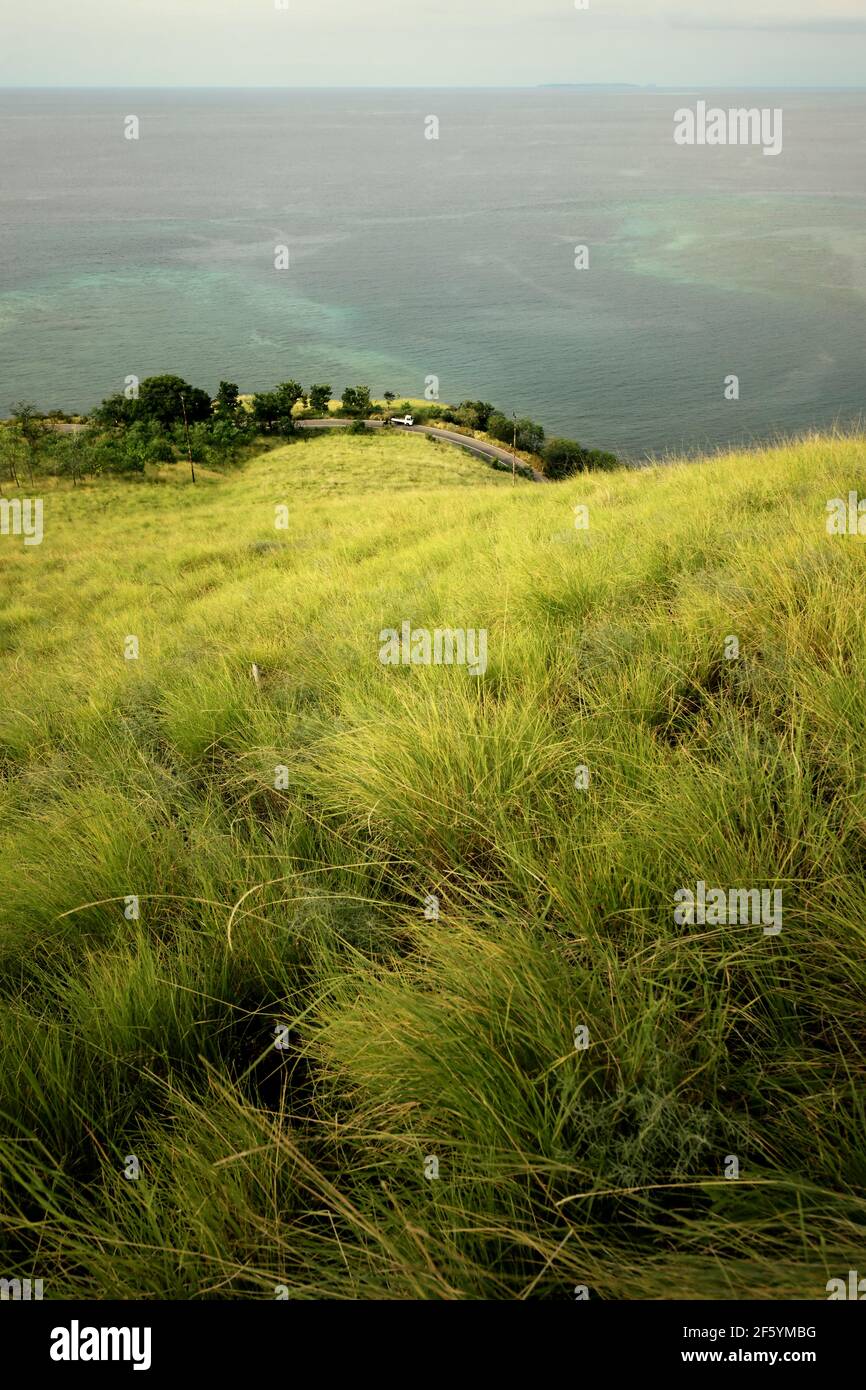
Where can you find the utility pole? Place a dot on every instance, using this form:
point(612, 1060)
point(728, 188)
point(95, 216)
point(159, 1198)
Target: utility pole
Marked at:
point(514, 450)
point(188, 445)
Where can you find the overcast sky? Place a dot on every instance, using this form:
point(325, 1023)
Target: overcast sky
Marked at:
point(432, 42)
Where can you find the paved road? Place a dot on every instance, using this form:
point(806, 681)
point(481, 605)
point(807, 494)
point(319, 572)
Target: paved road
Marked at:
point(473, 446)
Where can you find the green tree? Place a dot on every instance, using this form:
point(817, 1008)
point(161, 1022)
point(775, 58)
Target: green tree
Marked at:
point(500, 427)
point(357, 401)
point(265, 411)
point(227, 437)
point(142, 443)
point(530, 436)
point(228, 404)
point(273, 411)
point(287, 394)
point(28, 423)
point(69, 457)
point(166, 398)
point(320, 399)
point(11, 450)
point(114, 412)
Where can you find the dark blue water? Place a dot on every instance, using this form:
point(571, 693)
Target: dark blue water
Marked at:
point(411, 258)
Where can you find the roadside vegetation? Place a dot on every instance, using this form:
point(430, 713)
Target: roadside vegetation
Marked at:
point(164, 420)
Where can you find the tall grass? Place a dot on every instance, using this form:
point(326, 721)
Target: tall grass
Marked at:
point(292, 908)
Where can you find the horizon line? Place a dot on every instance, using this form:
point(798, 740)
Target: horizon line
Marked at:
point(425, 87)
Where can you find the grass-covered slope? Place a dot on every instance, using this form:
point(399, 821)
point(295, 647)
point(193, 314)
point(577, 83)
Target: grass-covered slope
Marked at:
point(296, 913)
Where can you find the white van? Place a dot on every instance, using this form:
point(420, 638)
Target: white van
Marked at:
point(403, 420)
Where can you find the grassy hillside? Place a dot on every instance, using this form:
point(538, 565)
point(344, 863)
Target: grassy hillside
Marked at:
point(290, 907)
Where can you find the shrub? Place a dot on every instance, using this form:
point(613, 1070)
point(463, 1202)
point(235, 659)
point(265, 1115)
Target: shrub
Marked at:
point(601, 461)
point(475, 414)
point(565, 457)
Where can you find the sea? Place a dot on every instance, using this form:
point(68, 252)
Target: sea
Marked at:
point(429, 242)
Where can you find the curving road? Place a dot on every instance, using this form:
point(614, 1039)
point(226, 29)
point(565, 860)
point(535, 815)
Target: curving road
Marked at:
point(473, 446)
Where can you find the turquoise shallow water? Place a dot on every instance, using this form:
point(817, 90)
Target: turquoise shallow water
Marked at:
point(453, 258)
